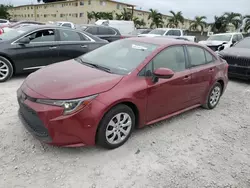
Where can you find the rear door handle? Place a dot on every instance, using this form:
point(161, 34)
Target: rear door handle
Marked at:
point(211, 70)
point(52, 47)
point(187, 78)
point(84, 46)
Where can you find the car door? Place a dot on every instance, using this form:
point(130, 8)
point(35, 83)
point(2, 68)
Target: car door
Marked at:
point(168, 95)
point(73, 44)
point(42, 50)
point(203, 68)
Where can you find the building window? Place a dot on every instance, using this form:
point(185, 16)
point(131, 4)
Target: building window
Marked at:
point(28, 15)
point(81, 3)
point(89, 2)
point(31, 15)
point(81, 14)
point(75, 15)
point(102, 3)
point(118, 6)
point(37, 15)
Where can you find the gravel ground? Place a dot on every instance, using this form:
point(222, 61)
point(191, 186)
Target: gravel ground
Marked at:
point(200, 148)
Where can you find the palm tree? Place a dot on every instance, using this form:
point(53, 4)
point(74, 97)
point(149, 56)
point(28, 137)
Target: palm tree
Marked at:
point(96, 15)
point(199, 21)
point(138, 23)
point(90, 16)
point(156, 18)
point(233, 18)
point(118, 16)
point(176, 19)
point(219, 25)
point(247, 26)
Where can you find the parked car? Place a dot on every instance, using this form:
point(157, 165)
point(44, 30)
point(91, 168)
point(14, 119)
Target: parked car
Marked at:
point(222, 41)
point(104, 32)
point(140, 31)
point(15, 25)
point(29, 48)
point(169, 32)
point(124, 26)
point(102, 96)
point(238, 58)
point(4, 23)
point(66, 24)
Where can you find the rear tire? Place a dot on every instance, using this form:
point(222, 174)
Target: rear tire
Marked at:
point(116, 127)
point(213, 97)
point(6, 69)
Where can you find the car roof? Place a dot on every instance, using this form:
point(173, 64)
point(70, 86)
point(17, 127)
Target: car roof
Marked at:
point(161, 40)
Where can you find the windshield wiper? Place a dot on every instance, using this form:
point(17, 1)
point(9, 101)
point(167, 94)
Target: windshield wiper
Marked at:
point(94, 65)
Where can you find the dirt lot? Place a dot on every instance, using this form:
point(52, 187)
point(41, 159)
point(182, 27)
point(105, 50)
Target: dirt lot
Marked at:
point(200, 148)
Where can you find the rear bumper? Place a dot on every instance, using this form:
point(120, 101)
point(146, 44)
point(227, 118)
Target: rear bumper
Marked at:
point(239, 72)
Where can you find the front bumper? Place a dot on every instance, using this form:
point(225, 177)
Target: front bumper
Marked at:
point(239, 72)
point(49, 125)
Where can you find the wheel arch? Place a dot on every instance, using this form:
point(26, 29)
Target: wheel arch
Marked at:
point(128, 103)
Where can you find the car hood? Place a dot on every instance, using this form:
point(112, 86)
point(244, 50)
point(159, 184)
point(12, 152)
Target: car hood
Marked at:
point(70, 80)
point(148, 35)
point(212, 42)
point(239, 52)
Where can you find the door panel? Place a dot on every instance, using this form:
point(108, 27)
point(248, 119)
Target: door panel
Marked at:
point(41, 51)
point(169, 95)
point(202, 65)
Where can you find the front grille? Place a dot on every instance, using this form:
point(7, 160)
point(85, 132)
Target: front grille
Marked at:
point(32, 121)
point(237, 61)
point(214, 48)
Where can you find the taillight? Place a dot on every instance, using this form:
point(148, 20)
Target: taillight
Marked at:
point(1, 31)
point(122, 37)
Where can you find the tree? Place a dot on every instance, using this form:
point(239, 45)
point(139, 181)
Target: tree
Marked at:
point(90, 16)
point(247, 26)
point(138, 23)
point(199, 21)
point(233, 18)
point(156, 18)
point(4, 11)
point(219, 25)
point(176, 19)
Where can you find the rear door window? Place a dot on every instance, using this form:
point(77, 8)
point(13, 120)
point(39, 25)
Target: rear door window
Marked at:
point(176, 33)
point(106, 31)
point(67, 35)
point(92, 30)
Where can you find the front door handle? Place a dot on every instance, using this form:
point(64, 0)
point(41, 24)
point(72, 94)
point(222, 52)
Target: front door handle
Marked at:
point(52, 47)
point(84, 46)
point(211, 70)
point(186, 78)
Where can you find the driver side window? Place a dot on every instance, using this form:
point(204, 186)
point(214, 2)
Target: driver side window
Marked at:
point(47, 35)
point(172, 58)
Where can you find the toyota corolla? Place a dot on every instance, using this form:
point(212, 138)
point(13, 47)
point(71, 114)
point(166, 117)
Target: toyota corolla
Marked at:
point(100, 97)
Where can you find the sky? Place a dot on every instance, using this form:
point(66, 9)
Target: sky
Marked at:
point(189, 8)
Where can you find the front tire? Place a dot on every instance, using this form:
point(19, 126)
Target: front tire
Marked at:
point(116, 127)
point(6, 69)
point(213, 96)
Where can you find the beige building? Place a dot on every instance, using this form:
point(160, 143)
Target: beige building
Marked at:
point(76, 11)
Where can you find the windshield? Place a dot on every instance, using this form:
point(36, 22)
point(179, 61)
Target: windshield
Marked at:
point(220, 37)
point(13, 33)
point(121, 56)
point(157, 31)
point(245, 43)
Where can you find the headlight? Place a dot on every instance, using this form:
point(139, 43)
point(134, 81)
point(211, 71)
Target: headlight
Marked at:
point(70, 106)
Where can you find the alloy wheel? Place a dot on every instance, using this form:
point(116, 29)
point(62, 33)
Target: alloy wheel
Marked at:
point(215, 96)
point(118, 128)
point(4, 70)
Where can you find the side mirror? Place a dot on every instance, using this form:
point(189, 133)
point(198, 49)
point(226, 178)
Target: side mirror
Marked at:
point(164, 73)
point(24, 40)
point(221, 48)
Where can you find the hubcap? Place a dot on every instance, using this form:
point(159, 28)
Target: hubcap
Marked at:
point(215, 96)
point(118, 128)
point(4, 70)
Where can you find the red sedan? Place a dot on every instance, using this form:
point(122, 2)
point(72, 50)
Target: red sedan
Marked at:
point(102, 96)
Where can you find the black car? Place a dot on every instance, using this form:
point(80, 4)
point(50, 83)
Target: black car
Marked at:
point(238, 59)
point(104, 32)
point(29, 48)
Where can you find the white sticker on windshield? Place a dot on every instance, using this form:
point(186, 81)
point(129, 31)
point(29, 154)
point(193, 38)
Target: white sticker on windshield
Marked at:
point(138, 47)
